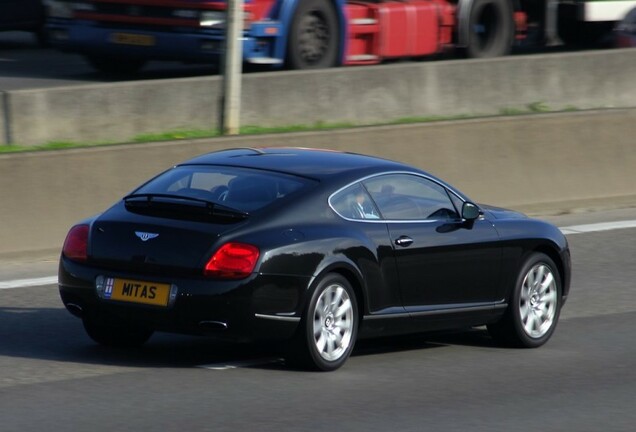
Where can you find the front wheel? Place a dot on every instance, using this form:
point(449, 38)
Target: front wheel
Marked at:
point(534, 307)
point(329, 326)
point(314, 37)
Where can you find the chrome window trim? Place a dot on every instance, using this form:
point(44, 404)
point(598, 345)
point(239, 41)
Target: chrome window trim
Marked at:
point(402, 221)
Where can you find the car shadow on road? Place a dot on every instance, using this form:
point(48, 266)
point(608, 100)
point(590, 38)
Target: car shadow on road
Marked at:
point(477, 337)
point(52, 334)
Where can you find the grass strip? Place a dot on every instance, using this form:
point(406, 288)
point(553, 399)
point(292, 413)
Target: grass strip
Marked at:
point(185, 134)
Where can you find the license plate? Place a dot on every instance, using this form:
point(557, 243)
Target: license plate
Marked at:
point(135, 291)
point(132, 39)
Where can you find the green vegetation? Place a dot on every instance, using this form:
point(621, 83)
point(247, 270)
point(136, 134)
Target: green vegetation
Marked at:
point(538, 107)
point(53, 145)
point(176, 135)
point(245, 130)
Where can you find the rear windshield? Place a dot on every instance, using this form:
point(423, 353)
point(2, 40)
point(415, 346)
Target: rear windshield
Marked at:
point(238, 188)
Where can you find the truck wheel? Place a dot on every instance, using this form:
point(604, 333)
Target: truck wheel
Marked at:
point(115, 65)
point(490, 29)
point(314, 36)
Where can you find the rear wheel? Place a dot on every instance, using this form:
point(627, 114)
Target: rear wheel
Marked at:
point(116, 335)
point(490, 29)
point(314, 36)
point(329, 326)
point(535, 305)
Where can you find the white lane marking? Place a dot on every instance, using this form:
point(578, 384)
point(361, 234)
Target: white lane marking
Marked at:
point(568, 230)
point(24, 283)
point(241, 364)
point(603, 226)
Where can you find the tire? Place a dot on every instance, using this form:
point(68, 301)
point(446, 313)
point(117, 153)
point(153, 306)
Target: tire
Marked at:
point(535, 305)
point(329, 326)
point(116, 336)
point(42, 37)
point(116, 66)
point(314, 37)
point(490, 29)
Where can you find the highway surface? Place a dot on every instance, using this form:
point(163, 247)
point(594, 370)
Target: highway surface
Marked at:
point(24, 65)
point(52, 377)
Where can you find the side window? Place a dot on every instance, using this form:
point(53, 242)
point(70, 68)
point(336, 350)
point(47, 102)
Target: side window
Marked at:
point(410, 197)
point(354, 203)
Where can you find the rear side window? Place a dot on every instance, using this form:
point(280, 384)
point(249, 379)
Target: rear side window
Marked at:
point(354, 203)
point(238, 188)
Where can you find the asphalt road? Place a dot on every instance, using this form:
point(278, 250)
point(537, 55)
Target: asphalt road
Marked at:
point(52, 377)
point(24, 65)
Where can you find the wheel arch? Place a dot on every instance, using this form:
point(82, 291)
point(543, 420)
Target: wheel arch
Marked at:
point(552, 252)
point(356, 284)
point(353, 275)
point(285, 14)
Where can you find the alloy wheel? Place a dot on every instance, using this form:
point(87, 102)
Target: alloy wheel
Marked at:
point(333, 321)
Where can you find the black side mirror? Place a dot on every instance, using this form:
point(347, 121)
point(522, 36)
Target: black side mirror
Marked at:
point(470, 211)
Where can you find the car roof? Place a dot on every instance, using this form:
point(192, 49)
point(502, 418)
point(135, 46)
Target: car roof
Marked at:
point(312, 163)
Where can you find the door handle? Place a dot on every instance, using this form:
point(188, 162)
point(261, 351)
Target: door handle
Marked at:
point(404, 241)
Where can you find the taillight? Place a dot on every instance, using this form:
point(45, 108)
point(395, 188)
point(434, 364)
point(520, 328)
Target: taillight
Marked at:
point(76, 243)
point(232, 261)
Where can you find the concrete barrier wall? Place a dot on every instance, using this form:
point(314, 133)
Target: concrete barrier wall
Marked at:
point(113, 112)
point(382, 93)
point(546, 163)
point(358, 95)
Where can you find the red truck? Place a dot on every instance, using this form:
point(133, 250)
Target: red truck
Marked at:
point(122, 35)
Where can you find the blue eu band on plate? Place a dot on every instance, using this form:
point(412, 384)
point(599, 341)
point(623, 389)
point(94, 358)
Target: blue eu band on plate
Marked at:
point(140, 292)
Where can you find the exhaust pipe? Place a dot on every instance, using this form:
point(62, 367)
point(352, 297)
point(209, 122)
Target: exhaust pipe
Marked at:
point(213, 325)
point(75, 309)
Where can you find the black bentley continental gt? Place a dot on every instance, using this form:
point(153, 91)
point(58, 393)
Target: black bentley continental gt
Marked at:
point(317, 248)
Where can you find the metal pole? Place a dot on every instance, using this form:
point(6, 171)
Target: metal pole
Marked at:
point(232, 68)
point(551, 23)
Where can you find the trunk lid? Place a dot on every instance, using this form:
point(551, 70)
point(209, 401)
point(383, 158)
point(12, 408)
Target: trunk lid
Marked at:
point(156, 241)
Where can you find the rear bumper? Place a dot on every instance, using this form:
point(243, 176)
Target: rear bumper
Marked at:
point(261, 307)
point(185, 45)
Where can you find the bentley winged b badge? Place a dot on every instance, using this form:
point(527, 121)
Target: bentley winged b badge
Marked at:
point(145, 236)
